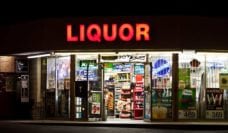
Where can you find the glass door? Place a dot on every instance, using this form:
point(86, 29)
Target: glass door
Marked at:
point(58, 86)
point(90, 97)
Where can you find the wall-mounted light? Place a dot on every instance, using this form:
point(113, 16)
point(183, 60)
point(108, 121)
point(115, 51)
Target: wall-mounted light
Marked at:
point(82, 53)
point(152, 52)
point(188, 52)
point(38, 56)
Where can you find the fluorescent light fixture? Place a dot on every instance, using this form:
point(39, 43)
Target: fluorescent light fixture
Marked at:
point(213, 53)
point(116, 53)
point(82, 53)
point(151, 52)
point(38, 56)
point(188, 52)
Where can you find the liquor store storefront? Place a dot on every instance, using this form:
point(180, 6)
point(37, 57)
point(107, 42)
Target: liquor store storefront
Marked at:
point(162, 68)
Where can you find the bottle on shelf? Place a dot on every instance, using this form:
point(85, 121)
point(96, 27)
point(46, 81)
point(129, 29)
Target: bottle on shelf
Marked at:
point(138, 97)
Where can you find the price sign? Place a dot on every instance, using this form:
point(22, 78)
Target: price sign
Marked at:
point(187, 114)
point(215, 114)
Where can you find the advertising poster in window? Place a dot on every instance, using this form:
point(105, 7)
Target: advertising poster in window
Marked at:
point(63, 71)
point(96, 108)
point(138, 69)
point(214, 103)
point(51, 73)
point(223, 80)
point(87, 66)
point(24, 88)
point(95, 103)
point(161, 68)
point(161, 104)
point(67, 84)
point(186, 96)
point(147, 108)
point(22, 66)
point(187, 103)
point(108, 67)
point(96, 97)
point(10, 81)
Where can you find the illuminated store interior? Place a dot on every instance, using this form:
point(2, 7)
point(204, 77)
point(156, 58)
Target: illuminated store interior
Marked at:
point(136, 85)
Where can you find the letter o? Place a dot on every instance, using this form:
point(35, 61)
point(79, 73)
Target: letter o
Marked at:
point(130, 35)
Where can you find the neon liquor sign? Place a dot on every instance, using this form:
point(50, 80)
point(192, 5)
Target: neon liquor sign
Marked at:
point(108, 32)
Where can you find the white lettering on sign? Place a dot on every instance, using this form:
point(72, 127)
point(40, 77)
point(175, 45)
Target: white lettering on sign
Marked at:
point(215, 114)
point(187, 114)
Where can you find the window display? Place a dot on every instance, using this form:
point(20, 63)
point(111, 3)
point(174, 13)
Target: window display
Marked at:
point(51, 73)
point(58, 85)
point(216, 87)
point(214, 103)
point(201, 94)
point(191, 69)
point(161, 87)
point(22, 65)
point(62, 71)
point(85, 66)
point(96, 103)
point(186, 96)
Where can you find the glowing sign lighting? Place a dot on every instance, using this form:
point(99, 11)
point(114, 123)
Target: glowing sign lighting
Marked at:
point(96, 33)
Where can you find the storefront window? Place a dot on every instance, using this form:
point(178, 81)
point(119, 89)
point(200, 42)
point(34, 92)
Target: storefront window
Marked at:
point(161, 86)
point(216, 86)
point(190, 89)
point(58, 85)
point(202, 92)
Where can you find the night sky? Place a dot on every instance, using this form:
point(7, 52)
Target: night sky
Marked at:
point(20, 11)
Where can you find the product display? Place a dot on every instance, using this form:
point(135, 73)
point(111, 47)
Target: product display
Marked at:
point(138, 97)
point(124, 101)
point(117, 84)
point(110, 101)
point(78, 107)
point(124, 90)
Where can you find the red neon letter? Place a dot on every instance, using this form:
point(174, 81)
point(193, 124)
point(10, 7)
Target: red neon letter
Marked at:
point(114, 32)
point(71, 38)
point(142, 30)
point(130, 30)
point(82, 32)
point(96, 37)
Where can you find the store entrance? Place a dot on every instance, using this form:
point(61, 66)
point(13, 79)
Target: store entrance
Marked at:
point(81, 90)
point(124, 91)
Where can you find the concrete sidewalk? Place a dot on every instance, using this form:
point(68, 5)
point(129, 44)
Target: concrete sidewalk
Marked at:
point(127, 123)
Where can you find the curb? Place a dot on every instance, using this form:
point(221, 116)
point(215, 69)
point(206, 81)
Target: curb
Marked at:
point(155, 125)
